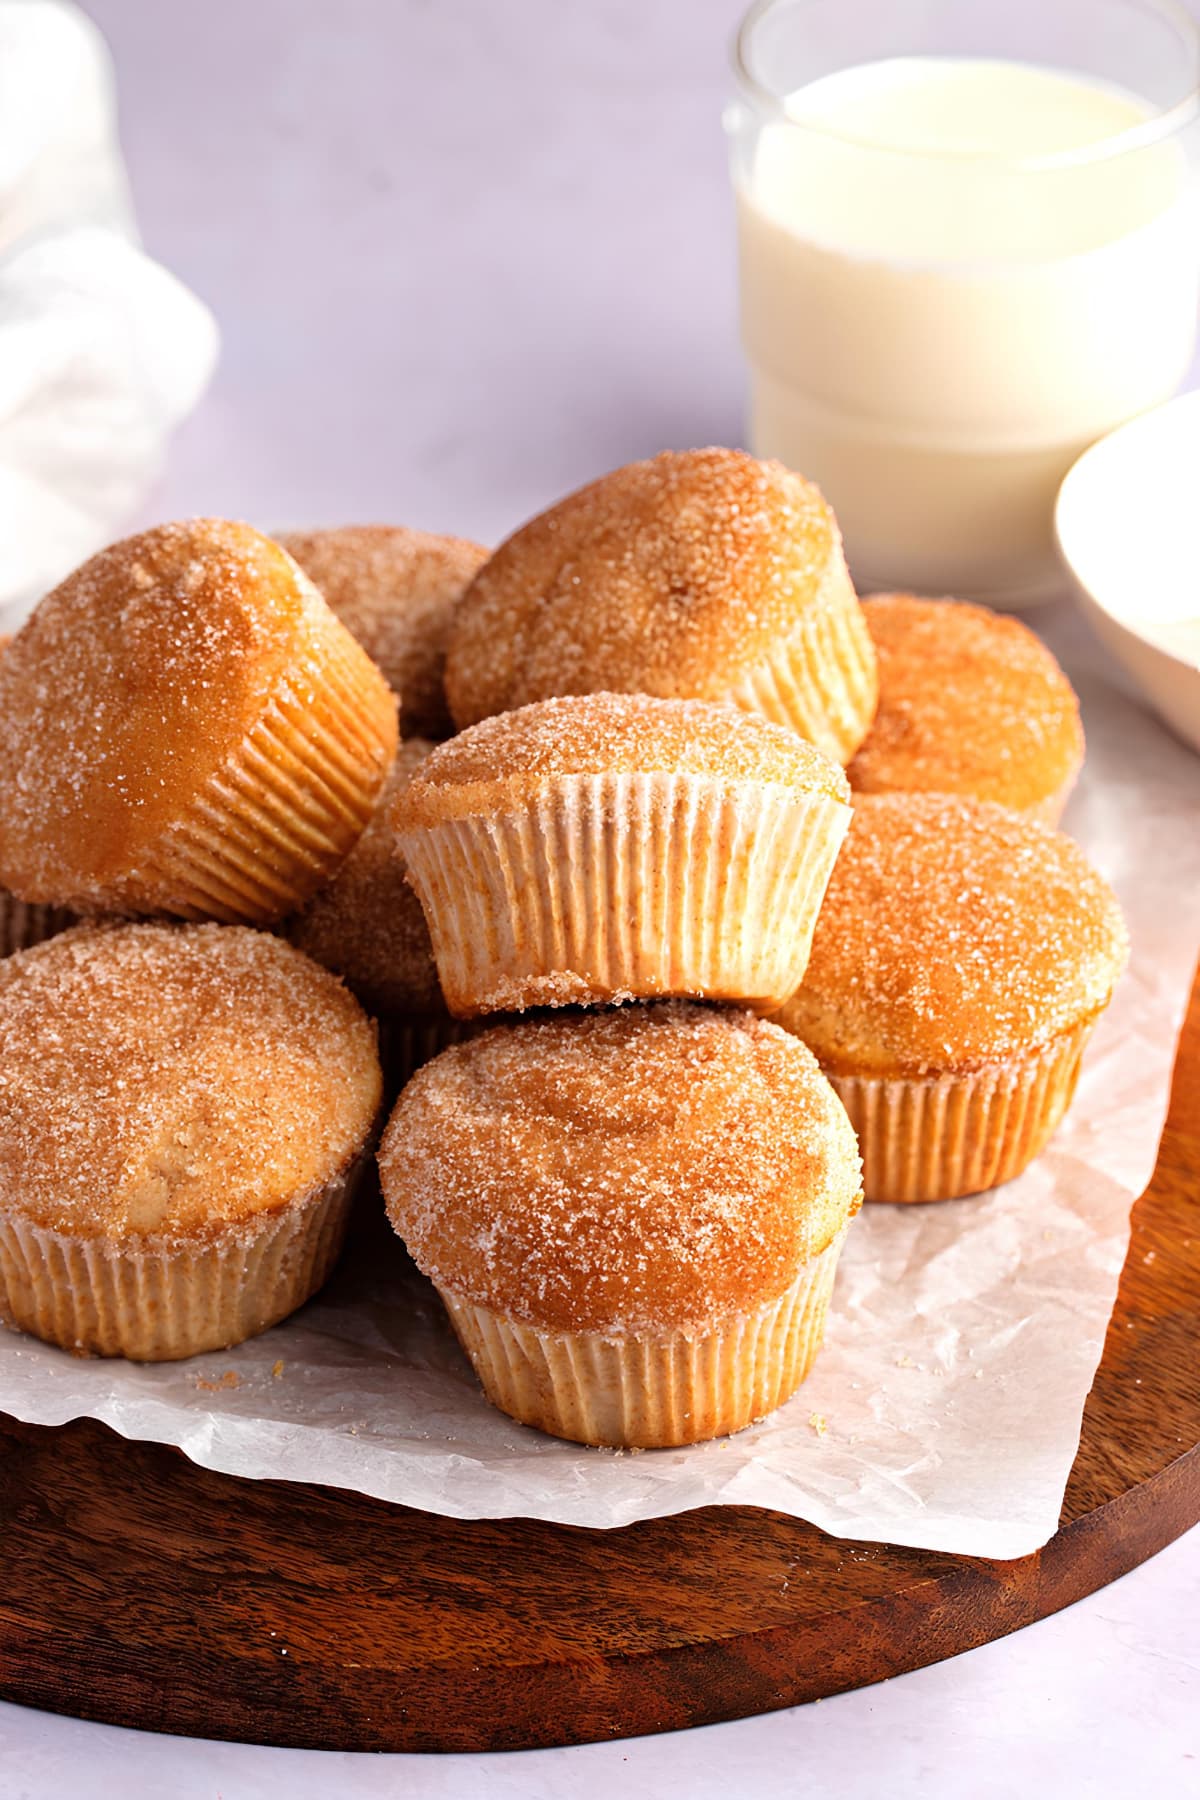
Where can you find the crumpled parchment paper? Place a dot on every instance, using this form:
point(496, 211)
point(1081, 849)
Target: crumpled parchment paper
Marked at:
point(945, 1409)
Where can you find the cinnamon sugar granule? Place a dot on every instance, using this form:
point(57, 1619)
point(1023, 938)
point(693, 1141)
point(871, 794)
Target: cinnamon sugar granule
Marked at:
point(664, 1167)
point(163, 1081)
point(673, 576)
point(396, 591)
point(970, 702)
point(610, 734)
point(367, 924)
point(954, 932)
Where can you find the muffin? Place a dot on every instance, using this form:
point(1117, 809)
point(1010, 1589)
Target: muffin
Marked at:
point(633, 1218)
point(700, 574)
point(183, 1113)
point(606, 847)
point(367, 926)
point(962, 957)
point(971, 703)
point(187, 729)
point(396, 591)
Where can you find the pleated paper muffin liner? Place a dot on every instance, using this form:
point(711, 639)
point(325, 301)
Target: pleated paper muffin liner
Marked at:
point(822, 681)
point(24, 924)
point(407, 1043)
point(936, 1137)
point(644, 1392)
point(612, 887)
point(291, 802)
point(156, 1299)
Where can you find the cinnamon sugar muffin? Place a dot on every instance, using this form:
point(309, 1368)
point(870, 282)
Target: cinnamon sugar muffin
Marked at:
point(633, 1218)
point(962, 957)
point(604, 847)
point(701, 574)
point(970, 702)
point(396, 591)
point(183, 1113)
point(367, 926)
point(186, 728)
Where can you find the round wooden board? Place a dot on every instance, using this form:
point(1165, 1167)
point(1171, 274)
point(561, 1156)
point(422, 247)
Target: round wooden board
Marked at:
point(142, 1590)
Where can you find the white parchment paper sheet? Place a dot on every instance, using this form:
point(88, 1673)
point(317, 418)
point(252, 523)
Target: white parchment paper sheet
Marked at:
point(946, 1406)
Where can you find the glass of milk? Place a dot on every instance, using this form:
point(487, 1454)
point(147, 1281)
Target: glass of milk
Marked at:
point(969, 242)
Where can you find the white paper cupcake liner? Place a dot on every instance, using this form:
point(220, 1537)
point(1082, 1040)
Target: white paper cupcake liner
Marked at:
point(612, 887)
point(936, 1137)
point(642, 1392)
point(822, 681)
point(155, 1299)
point(291, 802)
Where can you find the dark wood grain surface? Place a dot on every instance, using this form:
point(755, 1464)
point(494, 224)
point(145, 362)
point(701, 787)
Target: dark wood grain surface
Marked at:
point(140, 1589)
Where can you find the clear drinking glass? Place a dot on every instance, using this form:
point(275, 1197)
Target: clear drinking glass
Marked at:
point(942, 307)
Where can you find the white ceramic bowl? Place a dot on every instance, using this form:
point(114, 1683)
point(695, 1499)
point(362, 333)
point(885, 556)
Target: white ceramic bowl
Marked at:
point(1128, 523)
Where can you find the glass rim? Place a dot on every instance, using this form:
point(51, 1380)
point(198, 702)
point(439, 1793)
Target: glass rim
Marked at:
point(1164, 123)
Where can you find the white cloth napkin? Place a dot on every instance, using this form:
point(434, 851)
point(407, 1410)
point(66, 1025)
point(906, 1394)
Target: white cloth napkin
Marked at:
point(102, 351)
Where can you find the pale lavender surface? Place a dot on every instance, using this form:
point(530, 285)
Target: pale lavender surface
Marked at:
point(465, 255)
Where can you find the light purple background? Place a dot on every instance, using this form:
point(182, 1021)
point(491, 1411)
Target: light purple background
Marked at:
point(464, 256)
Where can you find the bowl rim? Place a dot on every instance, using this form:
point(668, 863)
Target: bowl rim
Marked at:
point(1149, 423)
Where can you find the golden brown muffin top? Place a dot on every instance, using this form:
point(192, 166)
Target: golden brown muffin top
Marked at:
point(970, 702)
point(495, 763)
point(670, 577)
point(396, 591)
point(166, 1081)
point(659, 1168)
point(367, 924)
point(953, 933)
point(128, 690)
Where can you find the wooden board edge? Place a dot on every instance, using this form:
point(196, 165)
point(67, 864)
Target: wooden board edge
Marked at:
point(589, 1700)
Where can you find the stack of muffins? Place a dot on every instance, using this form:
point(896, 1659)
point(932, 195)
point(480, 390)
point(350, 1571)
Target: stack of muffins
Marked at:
point(665, 986)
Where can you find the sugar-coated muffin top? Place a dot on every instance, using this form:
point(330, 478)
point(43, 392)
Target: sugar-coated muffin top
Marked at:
point(970, 702)
point(367, 924)
point(659, 1168)
point(502, 758)
point(953, 932)
point(166, 1081)
point(396, 591)
point(126, 693)
point(673, 577)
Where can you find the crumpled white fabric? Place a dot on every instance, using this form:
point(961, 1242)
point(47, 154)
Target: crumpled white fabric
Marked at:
point(102, 351)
